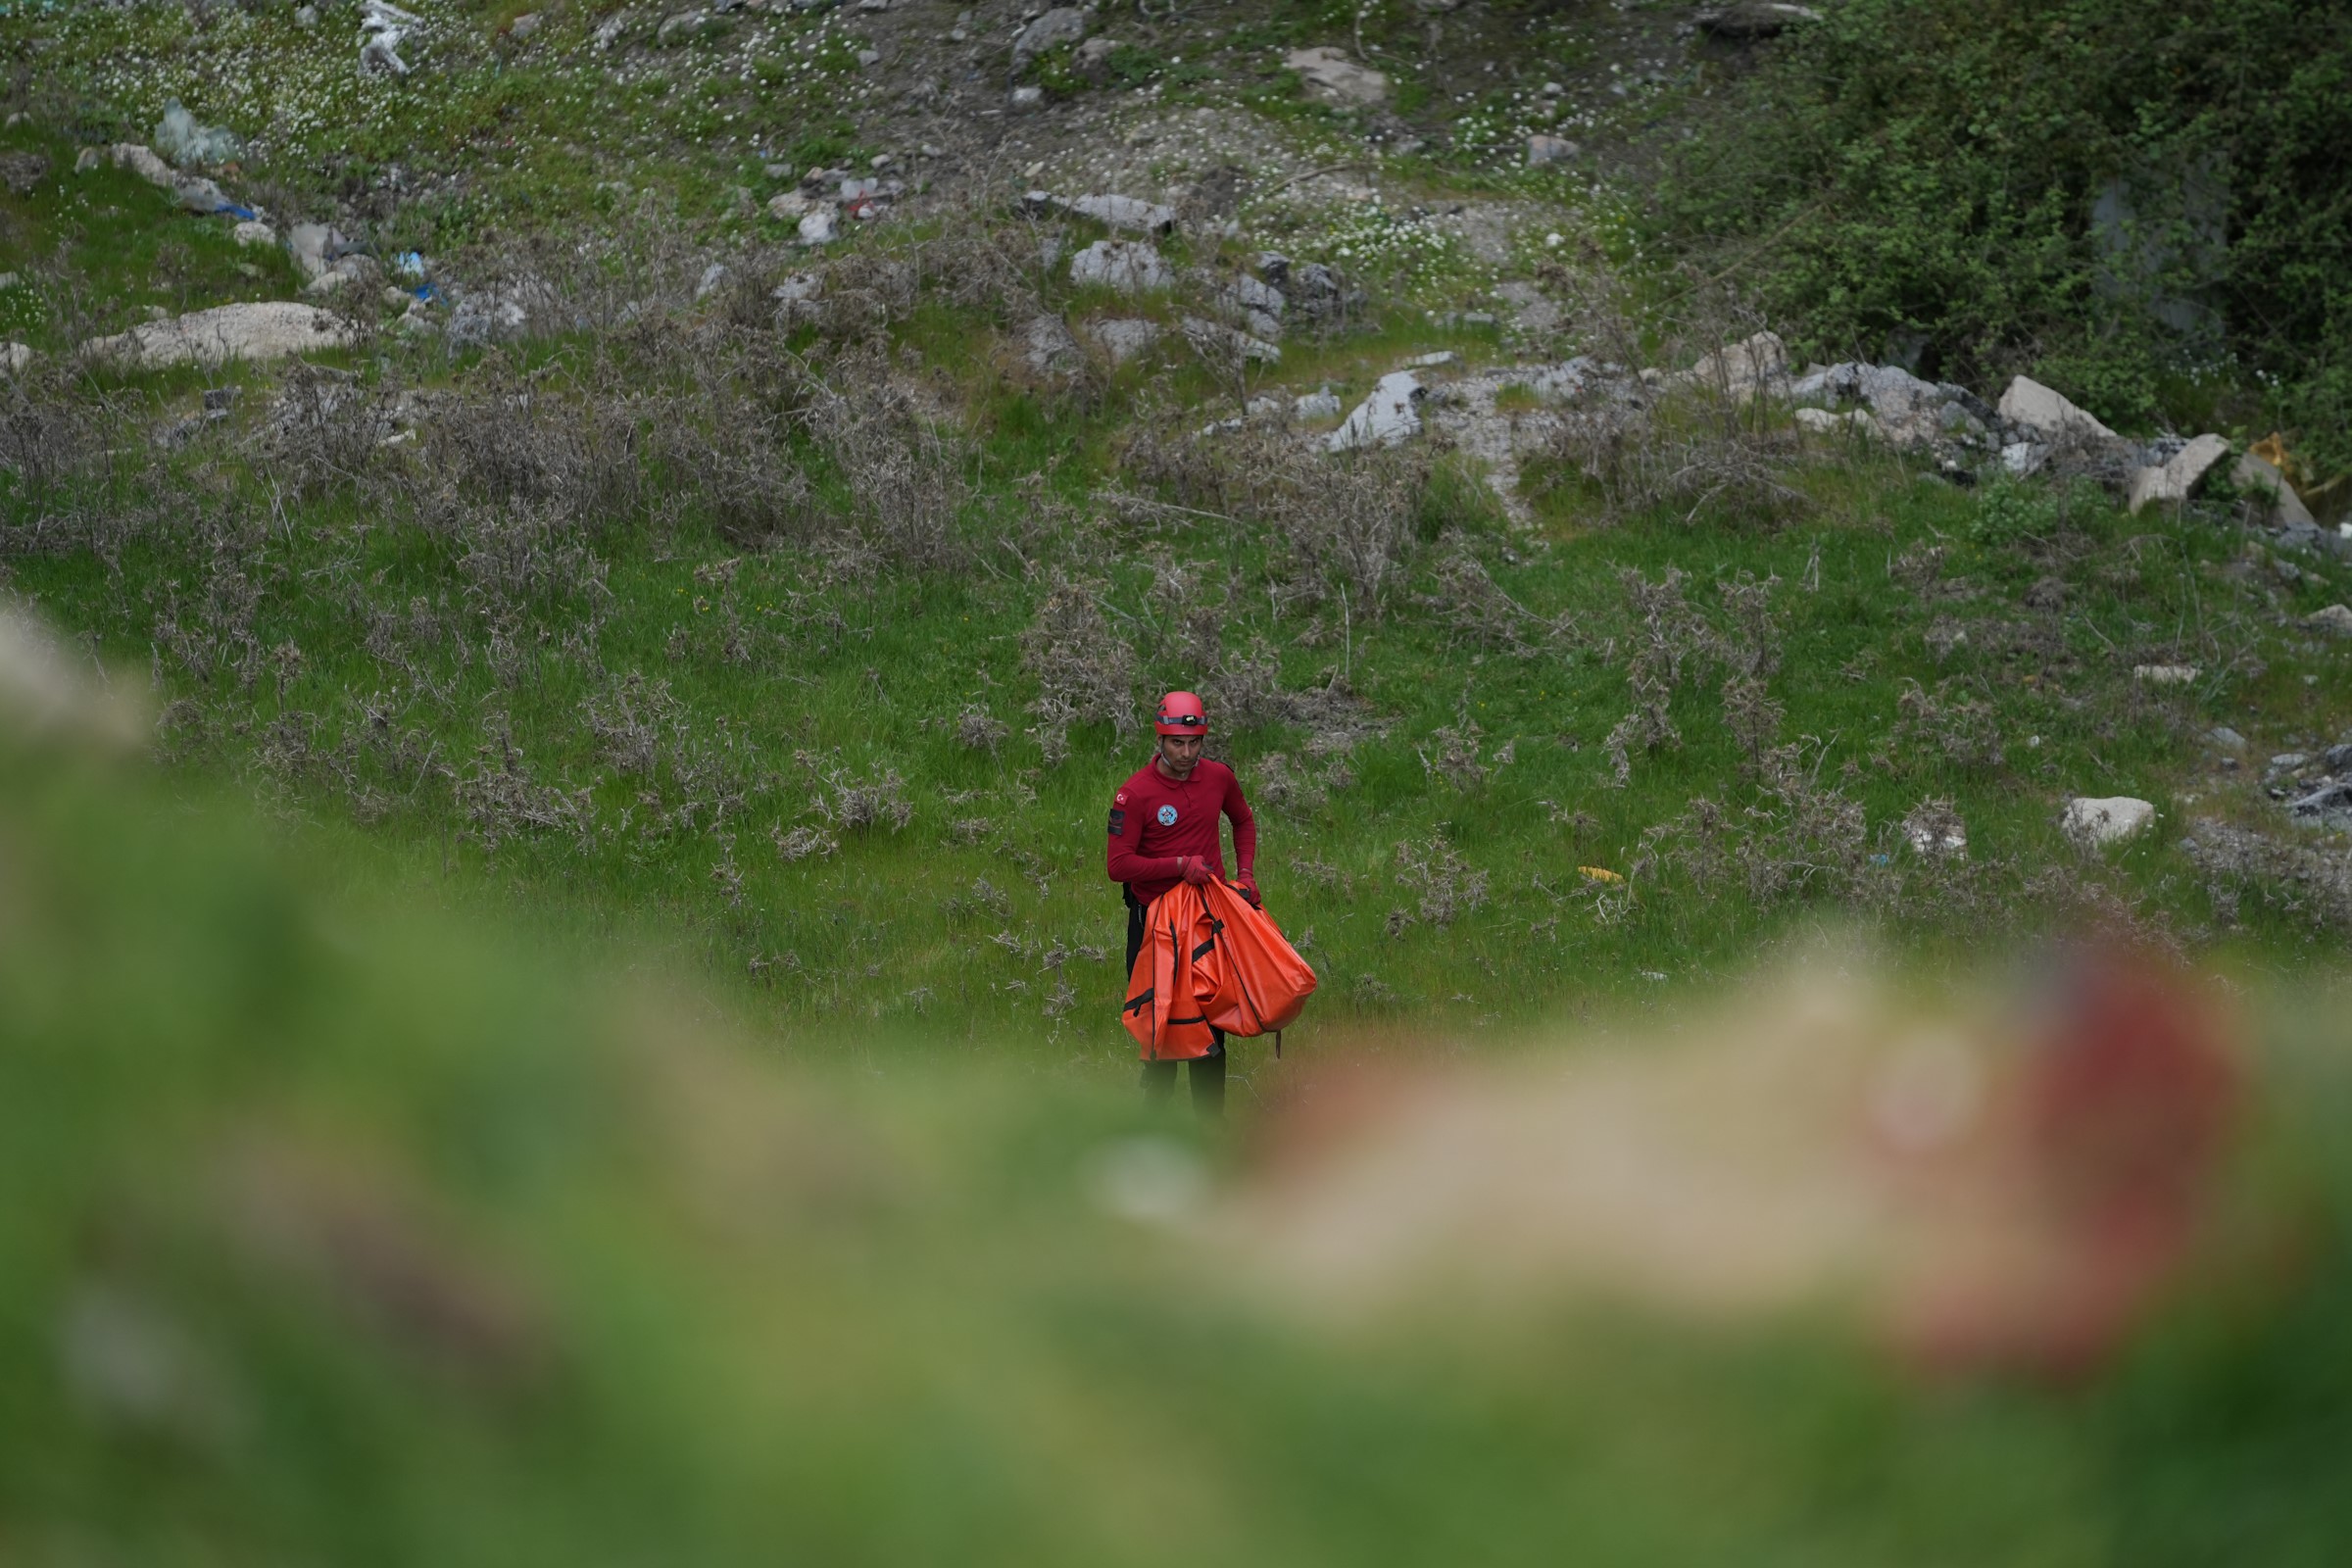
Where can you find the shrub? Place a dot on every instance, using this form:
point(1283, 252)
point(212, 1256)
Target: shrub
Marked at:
point(1926, 171)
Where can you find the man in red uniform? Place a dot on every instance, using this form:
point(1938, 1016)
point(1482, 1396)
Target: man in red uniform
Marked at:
point(1163, 831)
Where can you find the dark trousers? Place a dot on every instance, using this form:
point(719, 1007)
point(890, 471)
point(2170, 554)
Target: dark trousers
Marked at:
point(1159, 1077)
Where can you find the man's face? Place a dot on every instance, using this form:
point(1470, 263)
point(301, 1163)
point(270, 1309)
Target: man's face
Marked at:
point(1180, 754)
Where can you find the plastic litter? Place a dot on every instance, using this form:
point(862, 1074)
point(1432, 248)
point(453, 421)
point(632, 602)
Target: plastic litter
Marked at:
point(408, 264)
point(382, 26)
point(178, 137)
point(1598, 873)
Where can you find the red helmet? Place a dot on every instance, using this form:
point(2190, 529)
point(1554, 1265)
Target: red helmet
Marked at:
point(1181, 713)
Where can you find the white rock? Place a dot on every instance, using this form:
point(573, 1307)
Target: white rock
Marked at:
point(1543, 151)
point(1123, 338)
point(525, 25)
point(1391, 413)
point(1216, 341)
point(2165, 674)
point(1025, 99)
point(714, 277)
point(1051, 348)
point(144, 163)
point(2022, 458)
point(309, 245)
point(252, 232)
point(2178, 480)
point(1317, 407)
point(2091, 822)
point(816, 228)
point(1430, 361)
point(1936, 839)
point(1335, 79)
point(1131, 267)
point(1119, 212)
point(788, 207)
point(2255, 475)
point(267, 330)
point(2336, 621)
point(1759, 364)
point(14, 356)
point(2038, 408)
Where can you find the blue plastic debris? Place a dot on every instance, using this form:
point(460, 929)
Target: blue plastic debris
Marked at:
point(243, 215)
point(427, 293)
point(408, 264)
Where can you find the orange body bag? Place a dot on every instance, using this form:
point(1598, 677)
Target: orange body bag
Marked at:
point(1212, 959)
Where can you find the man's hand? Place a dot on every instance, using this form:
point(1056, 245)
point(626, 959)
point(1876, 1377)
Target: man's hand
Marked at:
point(1196, 869)
point(1247, 883)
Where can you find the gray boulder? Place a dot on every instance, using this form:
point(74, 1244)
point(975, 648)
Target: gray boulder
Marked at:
point(2051, 416)
point(2174, 480)
point(269, 329)
point(1123, 338)
point(2254, 475)
point(2094, 822)
point(1390, 414)
point(1057, 27)
point(1130, 266)
point(1335, 79)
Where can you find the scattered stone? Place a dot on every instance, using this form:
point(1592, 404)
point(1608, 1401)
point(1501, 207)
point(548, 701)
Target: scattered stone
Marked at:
point(1092, 62)
point(869, 59)
point(21, 171)
point(183, 140)
point(609, 31)
point(1936, 834)
point(789, 206)
point(2035, 406)
point(2165, 674)
point(382, 26)
point(1335, 79)
point(817, 227)
point(1117, 212)
point(1216, 341)
point(479, 318)
point(267, 330)
point(2285, 763)
point(2092, 823)
point(1130, 266)
point(714, 277)
point(522, 27)
point(1754, 21)
point(2336, 621)
point(2227, 739)
point(305, 17)
point(1822, 421)
point(1123, 338)
point(15, 357)
point(254, 232)
point(1024, 99)
point(1545, 151)
point(2177, 478)
point(687, 26)
point(1317, 407)
point(1051, 351)
point(1057, 27)
point(1390, 414)
point(2331, 805)
point(2255, 475)
point(1759, 364)
point(313, 247)
point(347, 270)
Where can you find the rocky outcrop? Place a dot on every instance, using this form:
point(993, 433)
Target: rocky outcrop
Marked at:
point(269, 330)
point(1335, 79)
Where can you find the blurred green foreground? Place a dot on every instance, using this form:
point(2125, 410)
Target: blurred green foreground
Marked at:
point(333, 1233)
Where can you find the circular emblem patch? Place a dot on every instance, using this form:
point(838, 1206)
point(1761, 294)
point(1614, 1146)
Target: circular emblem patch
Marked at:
point(1168, 816)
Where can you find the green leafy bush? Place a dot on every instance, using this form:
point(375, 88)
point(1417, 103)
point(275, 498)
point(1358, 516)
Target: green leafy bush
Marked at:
point(1928, 171)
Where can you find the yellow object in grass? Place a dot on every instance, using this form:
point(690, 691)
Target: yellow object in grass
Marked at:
point(1599, 874)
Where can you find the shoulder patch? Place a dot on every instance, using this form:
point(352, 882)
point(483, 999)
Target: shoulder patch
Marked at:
point(1118, 819)
point(1119, 798)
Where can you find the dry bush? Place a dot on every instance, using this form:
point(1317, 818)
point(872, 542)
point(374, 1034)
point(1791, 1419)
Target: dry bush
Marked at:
point(978, 731)
point(1692, 441)
point(2305, 881)
point(901, 469)
point(1947, 726)
point(1085, 672)
point(857, 805)
point(500, 799)
point(513, 436)
point(1348, 519)
point(1669, 634)
point(1445, 886)
point(1477, 613)
point(1797, 837)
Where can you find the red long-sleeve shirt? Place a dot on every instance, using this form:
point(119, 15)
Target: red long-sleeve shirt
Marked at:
point(1156, 820)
